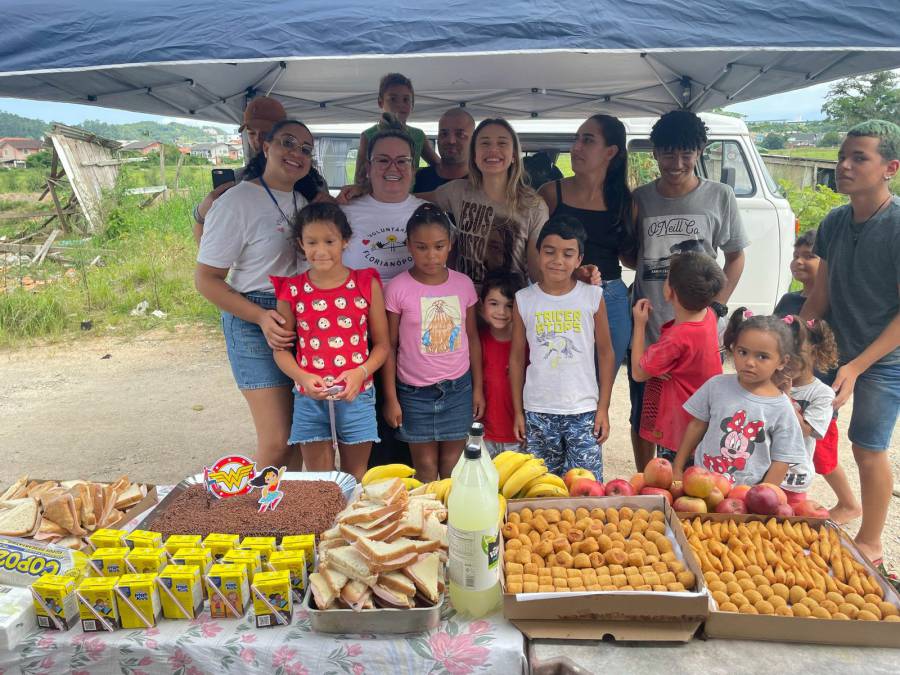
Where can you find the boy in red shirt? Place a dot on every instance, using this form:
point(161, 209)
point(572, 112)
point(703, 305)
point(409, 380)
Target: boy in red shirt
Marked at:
point(498, 291)
point(686, 354)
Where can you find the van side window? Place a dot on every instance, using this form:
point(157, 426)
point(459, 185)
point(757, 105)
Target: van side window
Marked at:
point(724, 161)
point(642, 167)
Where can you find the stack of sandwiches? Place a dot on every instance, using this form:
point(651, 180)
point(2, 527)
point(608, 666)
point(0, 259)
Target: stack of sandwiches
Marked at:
point(388, 549)
point(64, 512)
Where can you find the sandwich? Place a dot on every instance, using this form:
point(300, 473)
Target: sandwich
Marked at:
point(61, 510)
point(349, 561)
point(424, 574)
point(389, 598)
point(15, 490)
point(412, 522)
point(354, 594)
point(334, 579)
point(371, 516)
point(18, 517)
point(397, 582)
point(380, 533)
point(131, 496)
point(381, 552)
point(434, 530)
point(390, 491)
point(323, 593)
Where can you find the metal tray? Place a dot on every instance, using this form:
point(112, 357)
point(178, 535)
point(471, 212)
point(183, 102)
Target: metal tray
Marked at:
point(345, 481)
point(378, 621)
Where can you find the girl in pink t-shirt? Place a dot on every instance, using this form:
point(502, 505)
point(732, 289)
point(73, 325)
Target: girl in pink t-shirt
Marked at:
point(432, 377)
point(335, 310)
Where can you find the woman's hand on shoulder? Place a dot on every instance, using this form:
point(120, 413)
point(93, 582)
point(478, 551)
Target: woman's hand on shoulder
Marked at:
point(277, 336)
point(350, 192)
point(589, 274)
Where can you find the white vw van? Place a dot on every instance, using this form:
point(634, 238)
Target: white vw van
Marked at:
point(730, 157)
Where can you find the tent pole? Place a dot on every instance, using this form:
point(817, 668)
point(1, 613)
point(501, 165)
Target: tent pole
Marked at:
point(647, 60)
point(277, 77)
point(708, 88)
point(762, 71)
point(822, 71)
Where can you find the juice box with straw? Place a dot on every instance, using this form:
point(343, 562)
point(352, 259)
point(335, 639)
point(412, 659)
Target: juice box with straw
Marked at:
point(201, 557)
point(54, 602)
point(138, 600)
point(294, 562)
point(143, 539)
point(272, 598)
point(97, 604)
point(220, 544)
point(227, 585)
point(146, 560)
point(177, 541)
point(249, 558)
point(109, 562)
point(180, 591)
point(302, 542)
point(265, 546)
point(106, 538)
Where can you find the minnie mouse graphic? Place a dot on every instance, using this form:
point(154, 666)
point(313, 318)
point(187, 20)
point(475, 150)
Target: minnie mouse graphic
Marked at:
point(736, 446)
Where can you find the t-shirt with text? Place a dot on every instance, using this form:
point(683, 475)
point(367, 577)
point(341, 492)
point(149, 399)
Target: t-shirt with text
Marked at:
point(815, 401)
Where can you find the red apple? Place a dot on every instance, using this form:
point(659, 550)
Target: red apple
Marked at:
point(572, 474)
point(658, 491)
point(722, 482)
point(690, 505)
point(586, 487)
point(677, 489)
point(762, 499)
point(714, 498)
point(658, 473)
point(739, 492)
point(637, 482)
point(810, 509)
point(784, 510)
point(729, 505)
point(782, 497)
point(619, 488)
point(698, 482)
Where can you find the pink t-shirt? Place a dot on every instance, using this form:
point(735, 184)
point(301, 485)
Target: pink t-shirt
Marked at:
point(433, 344)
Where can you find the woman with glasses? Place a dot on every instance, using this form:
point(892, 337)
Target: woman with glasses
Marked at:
point(247, 237)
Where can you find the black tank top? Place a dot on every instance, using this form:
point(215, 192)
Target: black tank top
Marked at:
point(605, 237)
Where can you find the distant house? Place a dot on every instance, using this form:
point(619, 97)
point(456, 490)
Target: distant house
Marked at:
point(14, 151)
point(213, 152)
point(801, 140)
point(143, 147)
point(235, 150)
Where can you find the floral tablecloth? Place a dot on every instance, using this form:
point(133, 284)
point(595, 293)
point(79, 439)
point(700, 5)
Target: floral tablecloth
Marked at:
point(456, 647)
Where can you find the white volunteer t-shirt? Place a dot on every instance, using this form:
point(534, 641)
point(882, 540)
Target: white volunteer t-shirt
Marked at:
point(379, 235)
point(248, 235)
point(561, 376)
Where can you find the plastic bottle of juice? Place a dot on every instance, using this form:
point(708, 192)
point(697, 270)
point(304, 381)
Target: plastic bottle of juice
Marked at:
point(476, 436)
point(474, 538)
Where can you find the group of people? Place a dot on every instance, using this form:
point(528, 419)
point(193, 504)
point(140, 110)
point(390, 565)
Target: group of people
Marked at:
point(433, 297)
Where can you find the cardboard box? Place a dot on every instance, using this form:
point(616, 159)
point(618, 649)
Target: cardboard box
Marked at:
point(623, 615)
point(806, 630)
point(272, 594)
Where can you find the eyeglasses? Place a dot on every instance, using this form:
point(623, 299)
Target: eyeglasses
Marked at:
point(384, 162)
point(291, 144)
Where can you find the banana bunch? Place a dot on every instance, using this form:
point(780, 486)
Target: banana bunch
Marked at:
point(440, 489)
point(377, 473)
point(525, 476)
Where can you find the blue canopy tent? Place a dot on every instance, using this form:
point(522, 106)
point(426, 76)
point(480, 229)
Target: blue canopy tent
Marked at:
point(517, 59)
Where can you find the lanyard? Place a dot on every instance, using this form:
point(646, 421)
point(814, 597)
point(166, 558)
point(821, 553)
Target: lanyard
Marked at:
point(287, 220)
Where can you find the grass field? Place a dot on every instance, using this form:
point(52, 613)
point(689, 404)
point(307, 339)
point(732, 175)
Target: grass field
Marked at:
point(809, 153)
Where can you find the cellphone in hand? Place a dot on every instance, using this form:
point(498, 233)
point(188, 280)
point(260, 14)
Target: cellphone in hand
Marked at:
point(222, 176)
point(334, 389)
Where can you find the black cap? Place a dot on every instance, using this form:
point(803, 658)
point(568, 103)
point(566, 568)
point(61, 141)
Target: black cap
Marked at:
point(473, 451)
point(477, 429)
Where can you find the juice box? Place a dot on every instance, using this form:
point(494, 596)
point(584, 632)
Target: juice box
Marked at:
point(57, 594)
point(250, 558)
point(272, 591)
point(295, 564)
point(146, 560)
point(220, 544)
point(109, 562)
point(106, 538)
point(265, 546)
point(137, 596)
point(201, 557)
point(184, 584)
point(177, 541)
point(97, 598)
point(231, 582)
point(144, 539)
point(302, 542)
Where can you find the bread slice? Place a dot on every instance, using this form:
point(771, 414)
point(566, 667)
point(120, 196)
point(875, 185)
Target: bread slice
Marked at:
point(353, 591)
point(18, 517)
point(334, 579)
point(424, 574)
point(349, 561)
point(394, 564)
point(353, 532)
point(380, 552)
point(397, 582)
point(434, 530)
point(322, 592)
point(371, 514)
point(389, 598)
point(332, 533)
point(13, 490)
point(132, 495)
point(388, 491)
point(74, 543)
point(328, 544)
point(413, 520)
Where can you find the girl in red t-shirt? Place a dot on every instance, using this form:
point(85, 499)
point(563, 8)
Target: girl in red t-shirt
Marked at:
point(335, 310)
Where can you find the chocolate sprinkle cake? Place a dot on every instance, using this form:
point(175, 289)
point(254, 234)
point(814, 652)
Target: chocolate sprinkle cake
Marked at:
point(308, 507)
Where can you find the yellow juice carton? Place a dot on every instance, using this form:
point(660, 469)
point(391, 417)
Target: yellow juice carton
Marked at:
point(249, 558)
point(177, 541)
point(265, 546)
point(201, 557)
point(109, 562)
point(181, 591)
point(271, 595)
point(302, 542)
point(227, 584)
point(143, 539)
point(294, 562)
point(137, 598)
point(146, 560)
point(106, 538)
point(97, 604)
point(54, 602)
point(220, 544)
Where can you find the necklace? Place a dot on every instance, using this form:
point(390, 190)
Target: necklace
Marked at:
point(287, 221)
point(857, 228)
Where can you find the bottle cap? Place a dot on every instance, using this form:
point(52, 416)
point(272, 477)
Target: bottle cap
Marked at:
point(473, 451)
point(477, 429)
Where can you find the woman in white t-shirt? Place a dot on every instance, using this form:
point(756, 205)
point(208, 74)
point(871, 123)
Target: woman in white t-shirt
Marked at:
point(247, 237)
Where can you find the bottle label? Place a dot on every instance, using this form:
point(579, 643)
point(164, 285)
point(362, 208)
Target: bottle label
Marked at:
point(474, 558)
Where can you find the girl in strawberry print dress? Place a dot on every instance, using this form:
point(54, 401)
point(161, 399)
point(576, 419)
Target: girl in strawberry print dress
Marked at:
point(335, 311)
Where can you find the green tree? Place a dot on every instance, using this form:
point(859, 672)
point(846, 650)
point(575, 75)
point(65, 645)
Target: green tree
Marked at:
point(831, 139)
point(39, 160)
point(857, 99)
point(773, 141)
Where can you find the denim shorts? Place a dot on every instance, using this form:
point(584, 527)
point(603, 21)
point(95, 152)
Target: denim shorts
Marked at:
point(250, 356)
point(618, 312)
point(438, 412)
point(876, 402)
point(353, 420)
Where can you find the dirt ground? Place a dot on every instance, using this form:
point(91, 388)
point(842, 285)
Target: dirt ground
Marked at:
point(162, 404)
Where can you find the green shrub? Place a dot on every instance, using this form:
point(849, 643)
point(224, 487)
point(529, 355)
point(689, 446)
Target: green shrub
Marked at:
point(811, 204)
